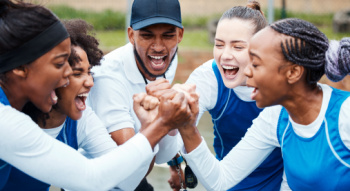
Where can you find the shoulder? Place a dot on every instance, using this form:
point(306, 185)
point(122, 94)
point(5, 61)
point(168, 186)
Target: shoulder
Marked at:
point(203, 72)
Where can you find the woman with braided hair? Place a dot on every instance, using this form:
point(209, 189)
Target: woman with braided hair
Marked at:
point(309, 121)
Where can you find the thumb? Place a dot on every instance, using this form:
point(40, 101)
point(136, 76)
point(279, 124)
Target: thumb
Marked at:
point(138, 99)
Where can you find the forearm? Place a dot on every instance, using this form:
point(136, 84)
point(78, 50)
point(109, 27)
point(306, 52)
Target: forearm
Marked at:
point(224, 174)
point(155, 132)
point(191, 138)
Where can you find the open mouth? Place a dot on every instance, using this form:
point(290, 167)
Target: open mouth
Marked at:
point(254, 93)
point(80, 101)
point(53, 97)
point(157, 62)
point(230, 71)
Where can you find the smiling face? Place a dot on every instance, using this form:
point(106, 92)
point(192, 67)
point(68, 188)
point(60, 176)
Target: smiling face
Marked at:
point(267, 71)
point(231, 50)
point(71, 99)
point(155, 46)
point(47, 73)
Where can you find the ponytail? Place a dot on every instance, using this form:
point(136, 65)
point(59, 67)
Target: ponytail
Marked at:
point(338, 59)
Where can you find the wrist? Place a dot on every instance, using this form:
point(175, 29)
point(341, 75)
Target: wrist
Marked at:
point(175, 161)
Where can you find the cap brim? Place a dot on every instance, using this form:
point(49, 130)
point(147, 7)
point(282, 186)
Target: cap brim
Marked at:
point(155, 20)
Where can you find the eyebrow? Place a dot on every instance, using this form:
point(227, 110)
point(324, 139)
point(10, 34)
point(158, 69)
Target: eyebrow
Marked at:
point(172, 30)
point(254, 55)
point(233, 41)
point(80, 69)
point(65, 55)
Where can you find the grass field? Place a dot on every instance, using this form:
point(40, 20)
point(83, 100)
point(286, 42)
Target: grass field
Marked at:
point(194, 39)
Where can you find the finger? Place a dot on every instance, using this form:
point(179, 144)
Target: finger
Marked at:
point(179, 97)
point(168, 94)
point(154, 102)
point(139, 97)
point(157, 85)
point(193, 103)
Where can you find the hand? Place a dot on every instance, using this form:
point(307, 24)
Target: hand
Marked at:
point(187, 89)
point(174, 111)
point(174, 180)
point(157, 87)
point(146, 108)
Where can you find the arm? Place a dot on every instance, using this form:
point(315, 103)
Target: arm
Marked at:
point(250, 152)
point(25, 146)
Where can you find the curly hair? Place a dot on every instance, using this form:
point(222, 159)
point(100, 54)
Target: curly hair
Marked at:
point(81, 34)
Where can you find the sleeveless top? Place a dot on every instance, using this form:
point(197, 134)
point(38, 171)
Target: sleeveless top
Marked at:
point(232, 117)
point(321, 162)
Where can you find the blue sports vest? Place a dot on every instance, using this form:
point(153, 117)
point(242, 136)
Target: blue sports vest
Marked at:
point(5, 168)
point(321, 162)
point(18, 180)
point(231, 118)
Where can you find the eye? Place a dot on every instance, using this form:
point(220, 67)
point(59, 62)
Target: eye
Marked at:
point(146, 36)
point(238, 47)
point(59, 65)
point(168, 36)
point(77, 74)
point(219, 45)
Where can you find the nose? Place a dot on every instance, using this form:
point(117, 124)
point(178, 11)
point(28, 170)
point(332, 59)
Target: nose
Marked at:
point(248, 70)
point(227, 53)
point(89, 82)
point(67, 71)
point(158, 45)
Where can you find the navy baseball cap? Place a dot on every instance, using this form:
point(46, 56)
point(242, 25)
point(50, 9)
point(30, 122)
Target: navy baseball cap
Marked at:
point(149, 12)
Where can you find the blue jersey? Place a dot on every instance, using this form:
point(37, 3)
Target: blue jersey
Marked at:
point(232, 117)
point(18, 180)
point(321, 162)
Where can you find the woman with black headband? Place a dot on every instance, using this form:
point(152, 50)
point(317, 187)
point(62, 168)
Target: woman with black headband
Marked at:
point(309, 121)
point(34, 51)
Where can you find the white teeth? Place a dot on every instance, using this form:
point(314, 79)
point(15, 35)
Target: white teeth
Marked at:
point(83, 95)
point(55, 98)
point(229, 67)
point(157, 57)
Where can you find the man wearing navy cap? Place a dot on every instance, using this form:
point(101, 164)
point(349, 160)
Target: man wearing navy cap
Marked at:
point(154, 34)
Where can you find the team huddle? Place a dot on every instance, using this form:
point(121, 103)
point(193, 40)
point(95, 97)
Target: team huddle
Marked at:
point(77, 119)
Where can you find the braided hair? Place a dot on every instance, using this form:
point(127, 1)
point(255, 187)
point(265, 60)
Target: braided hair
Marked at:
point(309, 48)
point(251, 12)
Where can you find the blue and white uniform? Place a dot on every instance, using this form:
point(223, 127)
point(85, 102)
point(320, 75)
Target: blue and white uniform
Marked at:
point(18, 180)
point(24, 145)
point(232, 114)
point(263, 137)
point(310, 163)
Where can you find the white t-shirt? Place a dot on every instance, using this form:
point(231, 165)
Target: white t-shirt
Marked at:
point(257, 144)
point(24, 145)
point(116, 80)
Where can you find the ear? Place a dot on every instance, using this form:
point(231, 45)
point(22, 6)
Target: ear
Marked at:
point(295, 73)
point(131, 35)
point(181, 34)
point(20, 71)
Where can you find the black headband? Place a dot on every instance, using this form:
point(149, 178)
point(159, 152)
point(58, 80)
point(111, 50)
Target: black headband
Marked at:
point(34, 48)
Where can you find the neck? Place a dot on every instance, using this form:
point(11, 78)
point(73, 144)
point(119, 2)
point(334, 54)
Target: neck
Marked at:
point(304, 105)
point(56, 119)
point(14, 94)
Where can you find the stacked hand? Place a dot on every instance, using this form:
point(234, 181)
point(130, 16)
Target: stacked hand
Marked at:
point(175, 108)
